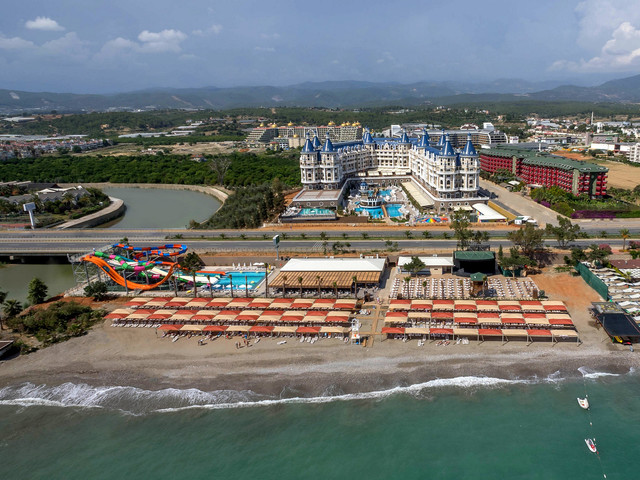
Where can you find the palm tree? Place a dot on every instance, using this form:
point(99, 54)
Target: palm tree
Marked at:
point(424, 287)
point(284, 285)
point(246, 286)
point(323, 235)
point(355, 285)
point(191, 262)
point(365, 235)
point(408, 234)
point(231, 284)
point(624, 233)
point(319, 279)
point(303, 235)
point(300, 282)
point(426, 234)
point(335, 288)
point(406, 281)
point(11, 308)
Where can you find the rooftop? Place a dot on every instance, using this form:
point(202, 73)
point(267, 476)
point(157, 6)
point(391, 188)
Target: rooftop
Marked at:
point(334, 265)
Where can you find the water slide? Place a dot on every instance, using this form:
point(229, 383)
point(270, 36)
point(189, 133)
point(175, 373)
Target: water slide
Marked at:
point(169, 250)
point(116, 277)
point(153, 269)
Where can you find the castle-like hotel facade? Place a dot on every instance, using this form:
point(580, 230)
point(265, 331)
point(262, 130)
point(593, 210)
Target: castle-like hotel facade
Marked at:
point(449, 177)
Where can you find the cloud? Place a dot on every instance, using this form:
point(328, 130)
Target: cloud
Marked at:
point(620, 52)
point(164, 41)
point(44, 23)
point(15, 43)
point(265, 49)
point(149, 42)
point(68, 45)
point(214, 29)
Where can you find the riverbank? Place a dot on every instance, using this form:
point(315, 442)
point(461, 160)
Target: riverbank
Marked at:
point(219, 193)
point(115, 209)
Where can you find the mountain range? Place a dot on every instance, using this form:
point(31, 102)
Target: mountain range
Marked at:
point(331, 94)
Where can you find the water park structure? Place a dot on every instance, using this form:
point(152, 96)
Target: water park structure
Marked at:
point(124, 267)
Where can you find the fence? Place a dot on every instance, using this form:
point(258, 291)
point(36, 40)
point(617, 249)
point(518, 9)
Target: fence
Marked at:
point(593, 281)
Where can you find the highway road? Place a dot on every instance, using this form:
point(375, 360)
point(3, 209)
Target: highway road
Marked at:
point(42, 246)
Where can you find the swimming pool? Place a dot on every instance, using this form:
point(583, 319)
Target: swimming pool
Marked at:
point(374, 212)
point(240, 280)
point(385, 193)
point(316, 211)
point(393, 209)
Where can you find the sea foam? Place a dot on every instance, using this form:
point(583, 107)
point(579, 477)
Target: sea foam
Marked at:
point(137, 401)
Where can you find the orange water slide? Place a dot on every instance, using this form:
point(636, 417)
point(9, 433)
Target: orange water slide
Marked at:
point(108, 269)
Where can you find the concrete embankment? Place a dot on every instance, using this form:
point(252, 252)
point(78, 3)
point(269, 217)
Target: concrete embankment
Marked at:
point(113, 211)
point(216, 192)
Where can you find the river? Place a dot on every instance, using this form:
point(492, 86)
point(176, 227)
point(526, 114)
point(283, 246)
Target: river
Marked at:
point(15, 278)
point(161, 208)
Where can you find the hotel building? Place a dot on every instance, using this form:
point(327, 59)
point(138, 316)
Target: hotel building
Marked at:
point(538, 168)
point(449, 177)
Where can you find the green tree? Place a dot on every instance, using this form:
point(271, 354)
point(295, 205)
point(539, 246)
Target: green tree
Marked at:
point(323, 235)
point(597, 254)
point(460, 225)
point(191, 263)
point(3, 297)
point(365, 235)
point(408, 234)
point(414, 266)
point(300, 280)
point(426, 234)
point(578, 255)
point(565, 232)
point(97, 290)
point(479, 237)
point(529, 239)
point(37, 291)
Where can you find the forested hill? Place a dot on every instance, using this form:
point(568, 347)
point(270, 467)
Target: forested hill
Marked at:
point(319, 94)
point(244, 169)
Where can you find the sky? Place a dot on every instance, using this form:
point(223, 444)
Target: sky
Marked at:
point(93, 46)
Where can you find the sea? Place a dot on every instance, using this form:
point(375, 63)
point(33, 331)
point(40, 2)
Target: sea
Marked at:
point(458, 428)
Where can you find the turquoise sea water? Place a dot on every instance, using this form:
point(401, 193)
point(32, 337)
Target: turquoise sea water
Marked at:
point(464, 428)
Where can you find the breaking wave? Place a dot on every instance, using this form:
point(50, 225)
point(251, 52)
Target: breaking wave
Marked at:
point(137, 401)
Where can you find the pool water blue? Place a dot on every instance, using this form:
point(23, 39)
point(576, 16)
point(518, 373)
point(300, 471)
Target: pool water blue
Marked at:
point(393, 209)
point(374, 212)
point(384, 193)
point(240, 280)
point(316, 211)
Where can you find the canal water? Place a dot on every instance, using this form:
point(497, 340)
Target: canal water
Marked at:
point(161, 208)
point(15, 278)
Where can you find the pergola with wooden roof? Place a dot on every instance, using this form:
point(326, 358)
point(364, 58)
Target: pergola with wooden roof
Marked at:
point(343, 280)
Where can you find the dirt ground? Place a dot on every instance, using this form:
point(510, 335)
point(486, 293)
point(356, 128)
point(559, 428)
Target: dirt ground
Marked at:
point(577, 296)
point(211, 148)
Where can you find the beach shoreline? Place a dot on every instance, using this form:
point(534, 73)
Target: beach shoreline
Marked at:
point(110, 356)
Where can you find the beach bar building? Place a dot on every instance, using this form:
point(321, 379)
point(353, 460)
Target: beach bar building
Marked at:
point(329, 274)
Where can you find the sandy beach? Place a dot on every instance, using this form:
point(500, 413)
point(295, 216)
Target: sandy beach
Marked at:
point(140, 357)
point(137, 357)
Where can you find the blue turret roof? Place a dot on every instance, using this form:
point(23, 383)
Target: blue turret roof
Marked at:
point(367, 138)
point(405, 137)
point(328, 146)
point(424, 139)
point(447, 149)
point(308, 146)
point(441, 139)
point(469, 149)
point(316, 142)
